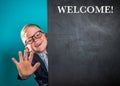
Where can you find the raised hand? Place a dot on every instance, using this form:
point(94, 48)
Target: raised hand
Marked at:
point(24, 65)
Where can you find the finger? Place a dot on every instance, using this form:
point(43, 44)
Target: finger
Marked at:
point(25, 55)
point(20, 56)
point(31, 56)
point(14, 61)
point(27, 49)
point(36, 66)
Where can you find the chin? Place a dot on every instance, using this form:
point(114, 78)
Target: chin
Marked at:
point(40, 50)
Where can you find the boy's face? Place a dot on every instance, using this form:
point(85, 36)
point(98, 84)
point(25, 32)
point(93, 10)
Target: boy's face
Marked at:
point(39, 40)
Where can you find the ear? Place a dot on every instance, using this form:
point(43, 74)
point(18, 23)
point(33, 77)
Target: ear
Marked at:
point(46, 35)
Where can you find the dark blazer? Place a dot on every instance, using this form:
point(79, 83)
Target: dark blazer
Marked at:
point(41, 74)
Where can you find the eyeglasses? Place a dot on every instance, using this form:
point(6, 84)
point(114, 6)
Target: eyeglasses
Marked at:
point(37, 35)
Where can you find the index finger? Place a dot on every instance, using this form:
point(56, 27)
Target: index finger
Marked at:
point(20, 56)
point(25, 55)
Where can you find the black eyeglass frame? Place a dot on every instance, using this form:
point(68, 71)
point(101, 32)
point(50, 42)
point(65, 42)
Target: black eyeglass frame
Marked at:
point(32, 37)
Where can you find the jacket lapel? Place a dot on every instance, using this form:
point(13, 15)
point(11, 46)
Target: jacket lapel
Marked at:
point(37, 58)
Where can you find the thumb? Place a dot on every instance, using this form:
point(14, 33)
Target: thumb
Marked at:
point(36, 66)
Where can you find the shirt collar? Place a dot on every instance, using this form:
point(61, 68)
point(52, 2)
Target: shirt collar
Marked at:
point(41, 54)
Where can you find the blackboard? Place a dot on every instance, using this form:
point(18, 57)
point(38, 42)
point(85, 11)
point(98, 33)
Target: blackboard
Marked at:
point(84, 49)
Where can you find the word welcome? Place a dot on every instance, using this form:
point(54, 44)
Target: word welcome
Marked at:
point(85, 9)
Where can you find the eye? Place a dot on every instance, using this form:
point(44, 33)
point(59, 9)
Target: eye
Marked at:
point(37, 35)
point(29, 40)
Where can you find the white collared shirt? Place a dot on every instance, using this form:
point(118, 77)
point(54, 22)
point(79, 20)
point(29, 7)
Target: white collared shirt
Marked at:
point(44, 58)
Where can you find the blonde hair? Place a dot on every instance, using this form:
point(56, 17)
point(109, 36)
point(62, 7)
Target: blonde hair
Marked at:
point(25, 29)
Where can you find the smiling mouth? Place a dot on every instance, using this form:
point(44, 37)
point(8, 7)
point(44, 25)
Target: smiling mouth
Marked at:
point(37, 45)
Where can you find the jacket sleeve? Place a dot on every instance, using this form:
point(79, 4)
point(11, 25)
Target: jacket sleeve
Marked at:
point(19, 78)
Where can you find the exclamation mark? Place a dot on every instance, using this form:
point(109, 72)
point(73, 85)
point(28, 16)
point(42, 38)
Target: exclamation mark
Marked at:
point(111, 9)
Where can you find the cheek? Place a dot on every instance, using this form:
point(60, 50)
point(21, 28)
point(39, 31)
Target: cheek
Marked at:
point(32, 46)
point(44, 40)
point(45, 43)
